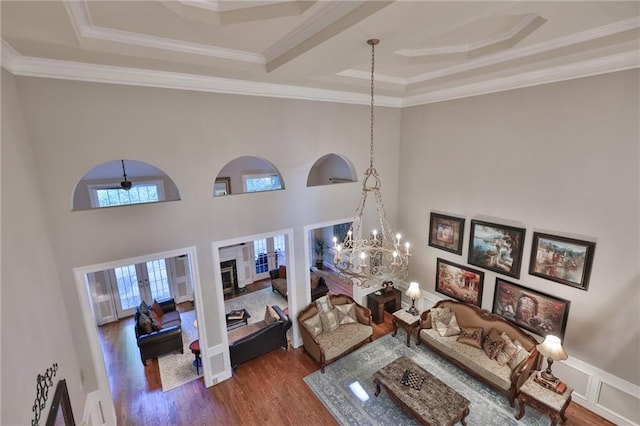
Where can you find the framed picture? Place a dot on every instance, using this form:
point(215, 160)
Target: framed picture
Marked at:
point(446, 232)
point(496, 247)
point(537, 312)
point(222, 186)
point(60, 412)
point(561, 259)
point(459, 282)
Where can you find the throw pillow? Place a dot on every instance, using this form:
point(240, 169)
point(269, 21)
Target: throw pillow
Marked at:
point(143, 308)
point(314, 325)
point(435, 313)
point(447, 325)
point(282, 271)
point(324, 304)
point(156, 321)
point(270, 315)
point(329, 320)
point(426, 323)
point(346, 313)
point(518, 357)
point(509, 350)
point(492, 343)
point(471, 336)
point(314, 281)
point(157, 308)
point(145, 323)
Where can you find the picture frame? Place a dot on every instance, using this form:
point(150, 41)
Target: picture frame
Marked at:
point(532, 310)
point(222, 186)
point(446, 232)
point(459, 282)
point(564, 260)
point(496, 247)
point(61, 413)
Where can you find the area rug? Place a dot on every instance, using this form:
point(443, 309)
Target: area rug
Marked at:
point(256, 302)
point(175, 368)
point(488, 407)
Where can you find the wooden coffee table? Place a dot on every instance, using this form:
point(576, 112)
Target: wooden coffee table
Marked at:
point(434, 403)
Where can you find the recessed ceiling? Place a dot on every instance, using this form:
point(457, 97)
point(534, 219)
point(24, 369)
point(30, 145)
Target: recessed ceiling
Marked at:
point(429, 50)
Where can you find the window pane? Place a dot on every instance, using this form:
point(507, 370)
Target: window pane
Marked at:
point(119, 197)
point(259, 184)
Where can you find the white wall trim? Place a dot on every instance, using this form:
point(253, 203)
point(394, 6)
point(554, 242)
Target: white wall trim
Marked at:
point(92, 415)
point(102, 397)
point(590, 396)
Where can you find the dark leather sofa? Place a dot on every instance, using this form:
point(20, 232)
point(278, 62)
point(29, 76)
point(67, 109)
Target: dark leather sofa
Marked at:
point(167, 339)
point(279, 283)
point(253, 340)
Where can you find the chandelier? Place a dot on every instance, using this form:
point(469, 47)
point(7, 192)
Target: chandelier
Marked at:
point(379, 255)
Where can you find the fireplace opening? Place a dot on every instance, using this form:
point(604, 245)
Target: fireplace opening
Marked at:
point(229, 273)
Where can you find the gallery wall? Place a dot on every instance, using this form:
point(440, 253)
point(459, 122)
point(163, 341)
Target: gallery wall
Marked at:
point(561, 158)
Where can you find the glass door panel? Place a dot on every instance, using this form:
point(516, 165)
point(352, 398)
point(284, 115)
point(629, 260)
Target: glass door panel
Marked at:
point(261, 258)
point(158, 279)
point(128, 286)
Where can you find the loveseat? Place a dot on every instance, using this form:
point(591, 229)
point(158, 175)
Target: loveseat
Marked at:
point(158, 329)
point(252, 340)
point(333, 326)
point(279, 283)
point(484, 344)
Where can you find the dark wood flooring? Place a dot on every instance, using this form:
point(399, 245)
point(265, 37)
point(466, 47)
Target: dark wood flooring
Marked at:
point(267, 390)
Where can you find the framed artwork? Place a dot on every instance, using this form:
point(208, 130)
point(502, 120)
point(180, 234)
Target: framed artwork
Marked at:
point(60, 412)
point(446, 232)
point(537, 312)
point(496, 247)
point(222, 186)
point(459, 282)
point(561, 259)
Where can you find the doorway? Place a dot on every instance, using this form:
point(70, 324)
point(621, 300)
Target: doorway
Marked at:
point(269, 253)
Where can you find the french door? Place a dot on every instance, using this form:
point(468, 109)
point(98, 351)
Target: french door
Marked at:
point(143, 281)
point(269, 253)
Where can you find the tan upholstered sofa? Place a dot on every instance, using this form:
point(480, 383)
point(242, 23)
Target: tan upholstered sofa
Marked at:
point(513, 363)
point(328, 336)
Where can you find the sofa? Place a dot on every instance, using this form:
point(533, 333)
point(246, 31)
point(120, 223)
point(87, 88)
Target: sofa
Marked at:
point(333, 326)
point(253, 340)
point(158, 329)
point(483, 344)
point(279, 283)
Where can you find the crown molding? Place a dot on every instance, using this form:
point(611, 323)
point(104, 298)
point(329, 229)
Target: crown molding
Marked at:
point(65, 70)
point(85, 29)
point(614, 63)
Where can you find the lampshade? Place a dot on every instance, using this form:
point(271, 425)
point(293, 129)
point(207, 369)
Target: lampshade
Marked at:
point(552, 348)
point(413, 291)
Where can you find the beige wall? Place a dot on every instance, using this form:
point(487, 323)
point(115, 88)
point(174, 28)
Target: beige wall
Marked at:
point(190, 136)
point(561, 158)
point(35, 325)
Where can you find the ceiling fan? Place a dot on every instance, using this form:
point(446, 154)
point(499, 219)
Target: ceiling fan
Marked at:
point(125, 184)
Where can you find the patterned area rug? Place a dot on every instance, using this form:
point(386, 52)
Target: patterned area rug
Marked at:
point(487, 407)
point(177, 369)
point(256, 303)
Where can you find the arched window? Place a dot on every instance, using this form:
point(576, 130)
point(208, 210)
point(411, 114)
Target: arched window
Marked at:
point(247, 174)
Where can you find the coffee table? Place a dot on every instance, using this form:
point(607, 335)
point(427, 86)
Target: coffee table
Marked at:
point(235, 323)
point(434, 403)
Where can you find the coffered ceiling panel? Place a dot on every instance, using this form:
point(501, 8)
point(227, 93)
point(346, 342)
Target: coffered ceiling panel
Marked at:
point(429, 50)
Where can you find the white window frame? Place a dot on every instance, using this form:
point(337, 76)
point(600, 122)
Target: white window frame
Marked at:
point(93, 194)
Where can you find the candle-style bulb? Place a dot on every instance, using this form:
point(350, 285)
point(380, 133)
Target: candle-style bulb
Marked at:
point(407, 245)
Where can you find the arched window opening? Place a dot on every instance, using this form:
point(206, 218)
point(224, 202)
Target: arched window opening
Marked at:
point(331, 169)
point(247, 174)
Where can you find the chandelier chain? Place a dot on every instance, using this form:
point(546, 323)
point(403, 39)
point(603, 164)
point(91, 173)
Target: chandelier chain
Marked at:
point(372, 118)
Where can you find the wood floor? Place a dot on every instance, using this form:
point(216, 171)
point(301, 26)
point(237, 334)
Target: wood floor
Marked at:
point(267, 390)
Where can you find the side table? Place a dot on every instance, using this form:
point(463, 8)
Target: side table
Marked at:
point(407, 321)
point(546, 400)
point(386, 300)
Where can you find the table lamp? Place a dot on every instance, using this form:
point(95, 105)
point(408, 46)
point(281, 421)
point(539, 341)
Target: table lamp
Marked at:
point(552, 349)
point(413, 292)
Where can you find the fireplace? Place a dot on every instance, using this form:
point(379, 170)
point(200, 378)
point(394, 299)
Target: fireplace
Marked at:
point(229, 277)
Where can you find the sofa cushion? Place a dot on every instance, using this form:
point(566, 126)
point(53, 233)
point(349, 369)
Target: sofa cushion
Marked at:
point(270, 315)
point(145, 323)
point(509, 350)
point(435, 313)
point(472, 357)
point(324, 304)
point(329, 320)
point(244, 331)
point(447, 325)
point(471, 336)
point(170, 319)
point(492, 343)
point(520, 356)
point(313, 324)
point(337, 342)
point(157, 309)
point(346, 313)
point(282, 271)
